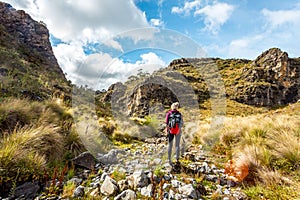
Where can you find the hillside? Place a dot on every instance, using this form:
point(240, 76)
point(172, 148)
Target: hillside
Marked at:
point(28, 67)
point(269, 81)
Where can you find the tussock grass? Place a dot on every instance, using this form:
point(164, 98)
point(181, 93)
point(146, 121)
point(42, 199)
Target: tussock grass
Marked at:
point(27, 150)
point(268, 143)
point(20, 112)
point(35, 137)
point(17, 112)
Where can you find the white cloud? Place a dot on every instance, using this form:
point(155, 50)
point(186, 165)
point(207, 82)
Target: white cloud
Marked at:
point(118, 70)
point(156, 22)
point(187, 8)
point(282, 17)
point(151, 59)
point(282, 28)
point(246, 47)
point(100, 70)
point(114, 44)
point(215, 15)
point(69, 56)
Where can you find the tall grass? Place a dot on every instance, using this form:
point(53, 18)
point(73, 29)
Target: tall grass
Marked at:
point(35, 136)
point(268, 143)
point(27, 150)
point(17, 112)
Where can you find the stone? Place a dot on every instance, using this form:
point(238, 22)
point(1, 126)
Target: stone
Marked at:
point(176, 183)
point(211, 178)
point(123, 185)
point(79, 192)
point(188, 190)
point(103, 176)
point(75, 180)
point(95, 192)
point(126, 195)
point(140, 179)
point(85, 160)
point(109, 187)
point(111, 157)
point(27, 190)
point(147, 191)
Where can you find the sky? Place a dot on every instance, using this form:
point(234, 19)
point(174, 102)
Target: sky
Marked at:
point(100, 42)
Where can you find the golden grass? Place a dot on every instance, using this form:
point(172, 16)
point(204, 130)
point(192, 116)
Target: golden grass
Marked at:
point(15, 112)
point(269, 143)
point(27, 150)
point(33, 137)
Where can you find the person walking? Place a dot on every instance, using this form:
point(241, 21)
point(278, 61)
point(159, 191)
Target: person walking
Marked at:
point(174, 122)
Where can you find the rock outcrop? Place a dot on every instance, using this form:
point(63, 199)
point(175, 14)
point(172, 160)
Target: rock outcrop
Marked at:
point(272, 79)
point(32, 35)
point(28, 66)
point(151, 94)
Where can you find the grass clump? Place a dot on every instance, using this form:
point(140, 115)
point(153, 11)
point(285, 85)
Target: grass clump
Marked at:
point(68, 189)
point(17, 112)
point(27, 150)
point(118, 175)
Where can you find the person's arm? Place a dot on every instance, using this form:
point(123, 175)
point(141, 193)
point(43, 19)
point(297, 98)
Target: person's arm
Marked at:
point(181, 121)
point(167, 117)
point(167, 123)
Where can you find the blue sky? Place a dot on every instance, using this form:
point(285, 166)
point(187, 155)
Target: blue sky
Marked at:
point(98, 43)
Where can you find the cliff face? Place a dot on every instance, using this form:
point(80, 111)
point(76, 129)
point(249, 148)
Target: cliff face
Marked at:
point(272, 79)
point(27, 62)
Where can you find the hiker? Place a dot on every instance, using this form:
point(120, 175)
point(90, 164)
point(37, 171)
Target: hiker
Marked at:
point(174, 123)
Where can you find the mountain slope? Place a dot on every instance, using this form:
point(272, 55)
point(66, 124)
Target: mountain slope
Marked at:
point(28, 66)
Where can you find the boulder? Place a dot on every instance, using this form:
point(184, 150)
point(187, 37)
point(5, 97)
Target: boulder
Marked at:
point(27, 190)
point(85, 160)
point(109, 187)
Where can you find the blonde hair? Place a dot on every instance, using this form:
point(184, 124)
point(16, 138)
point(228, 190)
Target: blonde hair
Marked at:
point(175, 106)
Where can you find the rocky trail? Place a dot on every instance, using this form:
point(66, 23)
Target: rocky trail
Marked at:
point(141, 171)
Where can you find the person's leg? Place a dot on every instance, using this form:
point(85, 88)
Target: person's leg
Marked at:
point(177, 146)
point(171, 138)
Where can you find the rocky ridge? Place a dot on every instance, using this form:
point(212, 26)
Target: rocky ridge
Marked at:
point(272, 79)
point(28, 33)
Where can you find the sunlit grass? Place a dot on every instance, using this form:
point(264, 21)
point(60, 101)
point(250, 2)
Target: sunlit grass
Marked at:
point(35, 136)
point(269, 143)
point(27, 150)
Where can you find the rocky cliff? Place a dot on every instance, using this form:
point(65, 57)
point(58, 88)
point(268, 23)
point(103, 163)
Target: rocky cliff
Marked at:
point(27, 62)
point(271, 79)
